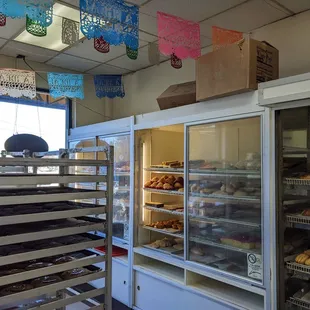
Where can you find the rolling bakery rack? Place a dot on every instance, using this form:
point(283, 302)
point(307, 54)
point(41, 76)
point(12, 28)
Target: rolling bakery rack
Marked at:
point(49, 227)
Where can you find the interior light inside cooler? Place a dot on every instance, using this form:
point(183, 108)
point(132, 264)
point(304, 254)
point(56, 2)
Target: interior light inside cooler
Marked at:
point(143, 177)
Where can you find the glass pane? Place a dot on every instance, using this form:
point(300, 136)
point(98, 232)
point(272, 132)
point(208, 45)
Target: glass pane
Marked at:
point(121, 198)
point(84, 170)
point(224, 196)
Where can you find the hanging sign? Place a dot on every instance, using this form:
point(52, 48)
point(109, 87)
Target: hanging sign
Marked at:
point(110, 86)
point(38, 10)
point(17, 83)
point(116, 21)
point(223, 37)
point(70, 31)
point(178, 36)
point(66, 85)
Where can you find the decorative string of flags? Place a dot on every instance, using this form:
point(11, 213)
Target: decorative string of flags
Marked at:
point(106, 22)
point(21, 83)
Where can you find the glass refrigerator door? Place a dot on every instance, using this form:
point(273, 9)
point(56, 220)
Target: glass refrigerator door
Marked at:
point(121, 198)
point(224, 196)
point(84, 170)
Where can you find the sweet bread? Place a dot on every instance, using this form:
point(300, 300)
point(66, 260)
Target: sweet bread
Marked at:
point(148, 184)
point(178, 185)
point(155, 179)
point(160, 185)
point(168, 186)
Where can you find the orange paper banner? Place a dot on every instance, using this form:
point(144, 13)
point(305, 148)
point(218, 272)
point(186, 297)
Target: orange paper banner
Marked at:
point(222, 37)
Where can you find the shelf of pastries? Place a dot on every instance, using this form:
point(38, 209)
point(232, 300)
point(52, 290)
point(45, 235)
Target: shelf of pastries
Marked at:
point(174, 166)
point(167, 184)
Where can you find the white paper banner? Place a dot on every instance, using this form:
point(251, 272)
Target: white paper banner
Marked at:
point(17, 83)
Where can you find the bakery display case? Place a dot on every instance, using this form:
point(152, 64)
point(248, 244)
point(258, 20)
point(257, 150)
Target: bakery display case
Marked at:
point(223, 197)
point(159, 177)
point(48, 235)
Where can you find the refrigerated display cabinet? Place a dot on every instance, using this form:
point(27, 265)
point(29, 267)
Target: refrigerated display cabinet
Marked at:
point(201, 209)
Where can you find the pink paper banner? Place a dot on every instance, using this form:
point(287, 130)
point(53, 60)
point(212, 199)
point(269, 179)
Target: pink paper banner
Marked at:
point(178, 36)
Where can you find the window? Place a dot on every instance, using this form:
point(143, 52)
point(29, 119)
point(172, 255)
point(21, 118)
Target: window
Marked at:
point(44, 116)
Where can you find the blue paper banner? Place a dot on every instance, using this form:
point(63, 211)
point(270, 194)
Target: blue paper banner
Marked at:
point(110, 86)
point(67, 85)
point(37, 10)
point(116, 21)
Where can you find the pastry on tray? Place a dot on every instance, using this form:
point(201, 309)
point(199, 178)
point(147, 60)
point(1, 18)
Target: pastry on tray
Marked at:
point(74, 273)
point(306, 212)
point(178, 247)
point(46, 280)
point(168, 186)
point(16, 288)
point(197, 251)
point(242, 241)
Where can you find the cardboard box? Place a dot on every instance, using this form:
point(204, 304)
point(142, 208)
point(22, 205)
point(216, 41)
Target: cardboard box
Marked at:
point(236, 68)
point(177, 95)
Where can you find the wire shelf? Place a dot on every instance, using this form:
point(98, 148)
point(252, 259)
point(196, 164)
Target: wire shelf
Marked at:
point(165, 170)
point(299, 303)
point(163, 192)
point(162, 231)
point(162, 210)
point(298, 267)
point(296, 181)
point(298, 219)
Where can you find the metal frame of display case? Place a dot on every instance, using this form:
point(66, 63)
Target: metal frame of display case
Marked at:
point(114, 128)
point(224, 109)
point(286, 93)
point(33, 178)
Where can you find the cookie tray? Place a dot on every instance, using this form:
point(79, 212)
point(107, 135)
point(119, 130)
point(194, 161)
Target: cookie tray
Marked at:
point(52, 288)
point(24, 179)
point(89, 258)
point(94, 242)
point(78, 210)
point(46, 194)
point(94, 225)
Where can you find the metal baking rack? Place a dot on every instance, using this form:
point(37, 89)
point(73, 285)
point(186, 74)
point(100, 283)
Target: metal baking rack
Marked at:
point(298, 267)
point(61, 225)
point(163, 210)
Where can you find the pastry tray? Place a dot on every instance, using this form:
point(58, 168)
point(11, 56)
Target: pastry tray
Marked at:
point(297, 181)
point(28, 179)
point(223, 246)
point(230, 198)
point(82, 259)
point(56, 229)
point(15, 214)
point(95, 274)
point(46, 194)
point(250, 174)
point(169, 250)
point(165, 231)
point(28, 253)
point(165, 170)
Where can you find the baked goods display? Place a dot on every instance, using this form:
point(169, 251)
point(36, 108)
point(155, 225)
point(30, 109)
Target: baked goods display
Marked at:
point(303, 258)
point(205, 187)
point(242, 241)
point(168, 224)
point(166, 182)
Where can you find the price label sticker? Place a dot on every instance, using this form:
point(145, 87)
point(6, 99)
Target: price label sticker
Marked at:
point(255, 267)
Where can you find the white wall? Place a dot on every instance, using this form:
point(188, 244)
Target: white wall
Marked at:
point(82, 116)
point(290, 36)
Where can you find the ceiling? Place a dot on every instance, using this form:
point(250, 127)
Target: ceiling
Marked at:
point(239, 15)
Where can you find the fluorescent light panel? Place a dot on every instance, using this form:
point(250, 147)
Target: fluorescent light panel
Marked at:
point(52, 40)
